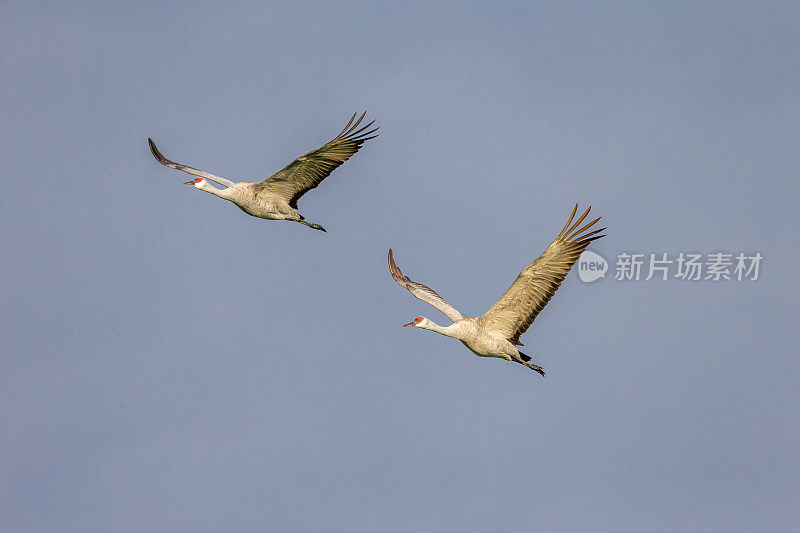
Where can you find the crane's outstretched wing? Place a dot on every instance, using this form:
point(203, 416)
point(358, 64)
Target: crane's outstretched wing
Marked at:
point(423, 292)
point(514, 312)
point(177, 166)
point(308, 171)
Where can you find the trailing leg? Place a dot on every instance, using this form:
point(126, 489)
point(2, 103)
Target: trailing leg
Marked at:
point(524, 361)
point(535, 368)
point(310, 225)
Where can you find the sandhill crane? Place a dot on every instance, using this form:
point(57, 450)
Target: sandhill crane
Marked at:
point(276, 197)
point(496, 333)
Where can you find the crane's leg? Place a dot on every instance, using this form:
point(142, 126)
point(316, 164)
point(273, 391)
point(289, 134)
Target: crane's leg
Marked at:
point(310, 225)
point(535, 368)
point(523, 360)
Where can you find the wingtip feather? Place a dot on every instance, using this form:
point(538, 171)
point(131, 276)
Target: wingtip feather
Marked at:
point(393, 266)
point(577, 234)
point(348, 125)
point(569, 233)
point(569, 220)
point(354, 126)
point(156, 153)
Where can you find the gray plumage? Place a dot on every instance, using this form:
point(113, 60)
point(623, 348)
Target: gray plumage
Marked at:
point(276, 197)
point(496, 333)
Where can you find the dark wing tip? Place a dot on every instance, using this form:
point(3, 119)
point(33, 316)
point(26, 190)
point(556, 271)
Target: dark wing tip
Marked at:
point(355, 134)
point(571, 233)
point(579, 233)
point(348, 125)
point(590, 239)
point(348, 130)
point(394, 270)
point(362, 137)
point(160, 158)
point(569, 221)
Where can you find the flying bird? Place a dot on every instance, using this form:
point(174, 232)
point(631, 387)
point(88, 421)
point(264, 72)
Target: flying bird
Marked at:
point(496, 333)
point(276, 197)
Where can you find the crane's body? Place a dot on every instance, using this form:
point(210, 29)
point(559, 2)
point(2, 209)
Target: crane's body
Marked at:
point(496, 333)
point(479, 340)
point(246, 196)
point(276, 197)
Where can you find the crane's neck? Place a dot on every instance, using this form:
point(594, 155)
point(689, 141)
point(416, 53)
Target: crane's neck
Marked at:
point(448, 331)
point(222, 193)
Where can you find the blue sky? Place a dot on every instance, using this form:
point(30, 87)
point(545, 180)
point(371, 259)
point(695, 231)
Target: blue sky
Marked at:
point(172, 364)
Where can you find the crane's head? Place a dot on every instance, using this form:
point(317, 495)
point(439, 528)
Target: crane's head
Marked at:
point(197, 182)
point(419, 322)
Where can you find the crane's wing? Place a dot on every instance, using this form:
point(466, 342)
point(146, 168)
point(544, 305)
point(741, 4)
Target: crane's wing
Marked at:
point(308, 171)
point(423, 292)
point(514, 312)
point(177, 166)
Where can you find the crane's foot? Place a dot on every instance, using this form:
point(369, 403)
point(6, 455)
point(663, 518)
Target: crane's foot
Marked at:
point(523, 360)
point(535, 368)
point(313, 226)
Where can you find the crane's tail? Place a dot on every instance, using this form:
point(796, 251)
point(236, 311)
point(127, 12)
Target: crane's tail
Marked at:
point(313, 226)
point(525, 358)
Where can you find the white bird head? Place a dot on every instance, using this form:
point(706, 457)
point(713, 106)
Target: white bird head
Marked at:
point(419, 322)
point(197, 183)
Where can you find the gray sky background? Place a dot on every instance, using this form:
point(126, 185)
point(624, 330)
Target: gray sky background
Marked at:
point(169, 363)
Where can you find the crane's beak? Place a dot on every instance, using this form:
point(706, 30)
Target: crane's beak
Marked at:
point(188, 182)
point(408, 325)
